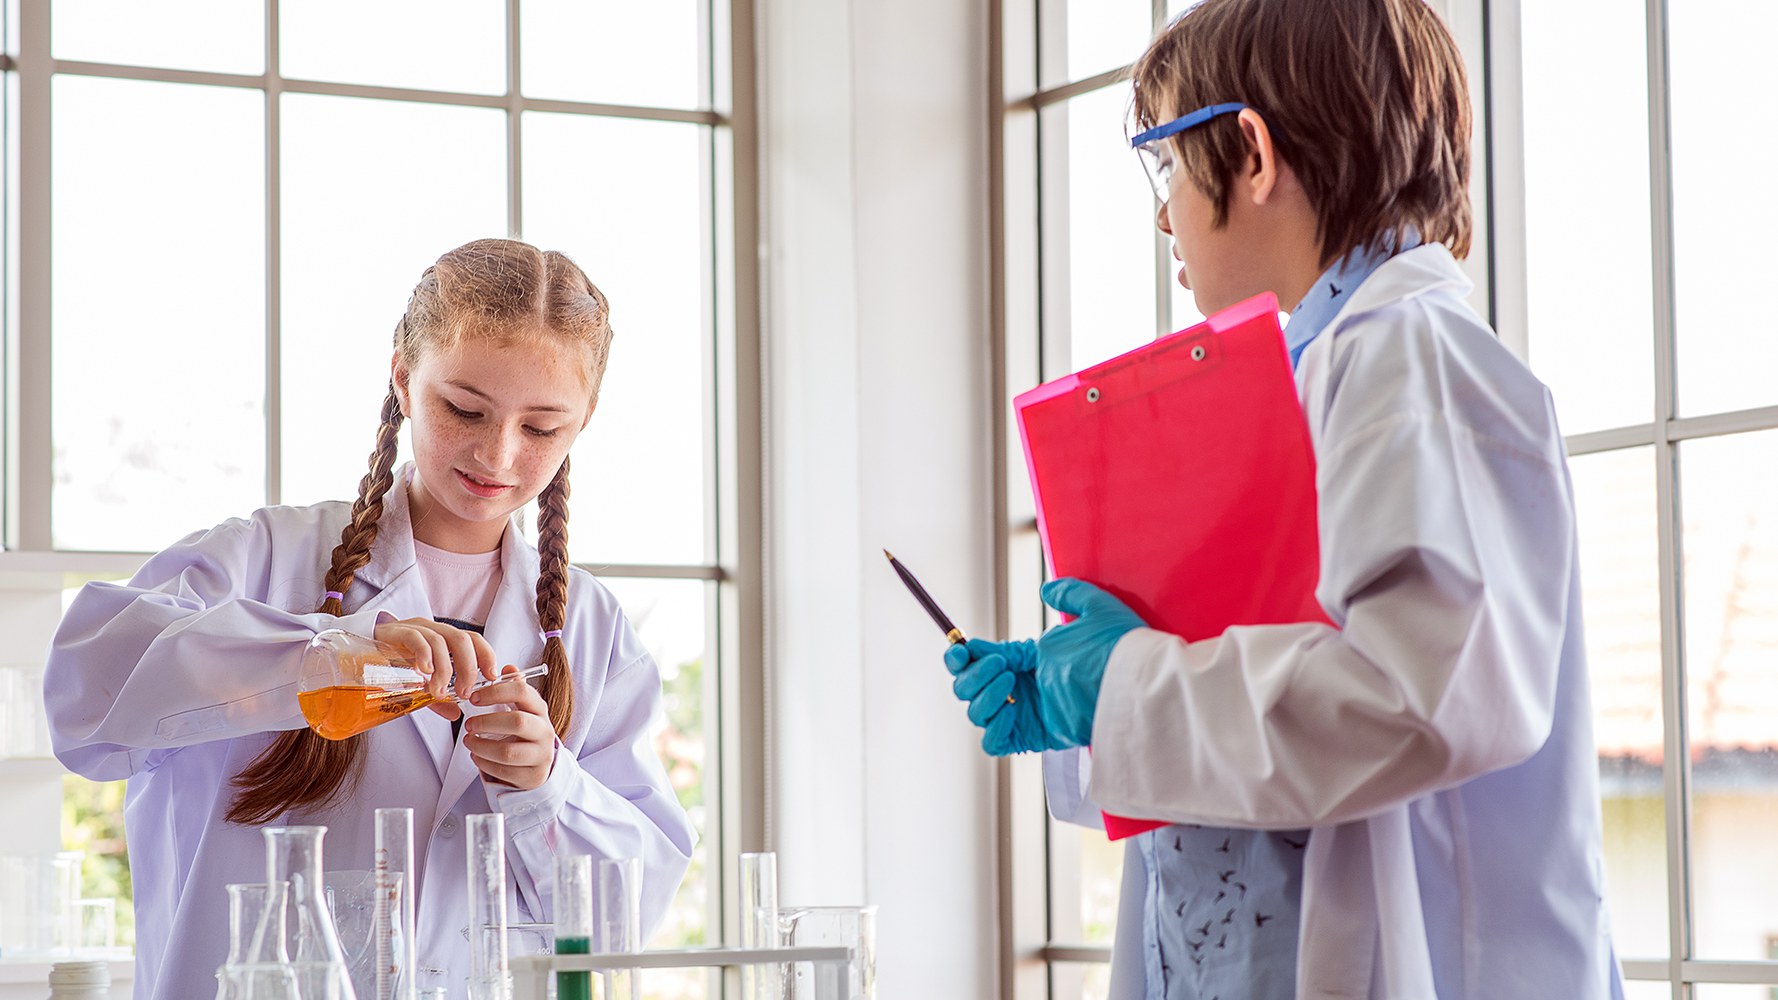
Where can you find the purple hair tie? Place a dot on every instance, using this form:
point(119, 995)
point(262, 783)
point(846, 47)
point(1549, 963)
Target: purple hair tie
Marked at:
point(334, 595)
point(554, 633)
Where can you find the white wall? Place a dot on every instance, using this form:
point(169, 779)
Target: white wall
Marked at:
point(874, 119)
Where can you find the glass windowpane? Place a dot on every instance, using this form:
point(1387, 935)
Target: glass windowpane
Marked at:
point(1109, 246)
point(1730, 537)
point(161, 33)
point(670, 616)
point(1102, 35)
point(1720, 57)
point(613, 52)
point(1614, 495)
point(452, 45)
point(158, 308)
point(1588, 271)
point(624, 199)
point(1732, 991)
point(373, 193)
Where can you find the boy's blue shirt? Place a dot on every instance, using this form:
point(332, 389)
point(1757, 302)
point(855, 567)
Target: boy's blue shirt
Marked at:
point(1333, 290)
point(1222, 905)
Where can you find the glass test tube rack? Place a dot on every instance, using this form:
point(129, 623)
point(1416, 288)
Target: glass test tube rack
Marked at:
point(532, 974)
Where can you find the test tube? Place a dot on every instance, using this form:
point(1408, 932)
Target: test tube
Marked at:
point(620, 921)
point(396, 945)
point(759, 924)
point(489, 978)
point(574, 922)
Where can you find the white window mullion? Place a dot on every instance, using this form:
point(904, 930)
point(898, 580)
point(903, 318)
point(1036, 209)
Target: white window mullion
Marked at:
point(515, 115)
point(34, 472)
point(1676, 768)
point(274, 359)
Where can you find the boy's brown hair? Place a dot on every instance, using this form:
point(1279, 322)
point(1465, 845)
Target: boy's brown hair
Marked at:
point(1366, 100)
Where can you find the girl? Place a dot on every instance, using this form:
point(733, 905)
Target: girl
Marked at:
point(184, 679)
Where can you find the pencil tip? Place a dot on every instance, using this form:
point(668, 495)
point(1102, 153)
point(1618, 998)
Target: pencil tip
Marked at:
point(886, 552)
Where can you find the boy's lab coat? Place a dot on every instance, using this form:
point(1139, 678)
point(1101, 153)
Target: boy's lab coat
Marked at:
point(1440, 744)
point(179, 678)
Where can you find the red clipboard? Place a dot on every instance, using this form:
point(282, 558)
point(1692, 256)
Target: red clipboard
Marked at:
point(1181, 478)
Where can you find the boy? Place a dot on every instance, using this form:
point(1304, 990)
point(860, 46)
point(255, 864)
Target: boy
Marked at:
point(1405, 806)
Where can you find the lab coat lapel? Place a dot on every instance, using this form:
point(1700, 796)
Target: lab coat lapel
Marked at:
point(394, 572)
point(512, 630)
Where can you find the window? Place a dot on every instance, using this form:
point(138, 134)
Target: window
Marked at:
point(1610, 251)
point(212, 230)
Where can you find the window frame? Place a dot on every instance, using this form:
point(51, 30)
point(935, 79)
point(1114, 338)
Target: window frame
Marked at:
point(728, 383)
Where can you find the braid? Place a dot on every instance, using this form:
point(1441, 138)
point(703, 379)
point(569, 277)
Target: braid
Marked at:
point(300, 768)
point(353, 551)
point(552, 597)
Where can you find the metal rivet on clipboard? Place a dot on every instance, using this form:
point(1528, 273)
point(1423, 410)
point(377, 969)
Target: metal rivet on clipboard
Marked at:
point(1093, 394)
point(1198, 352)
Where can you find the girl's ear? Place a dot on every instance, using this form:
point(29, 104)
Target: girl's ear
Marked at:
point(590, 407)
point(398, 378)
point(1259, 178)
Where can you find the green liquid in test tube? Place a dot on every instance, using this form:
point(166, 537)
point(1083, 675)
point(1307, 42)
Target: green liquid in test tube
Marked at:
point(574, 922)
point(574, 985)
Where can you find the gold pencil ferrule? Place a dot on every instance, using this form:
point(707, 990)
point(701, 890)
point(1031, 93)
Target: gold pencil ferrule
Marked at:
point(954, 636)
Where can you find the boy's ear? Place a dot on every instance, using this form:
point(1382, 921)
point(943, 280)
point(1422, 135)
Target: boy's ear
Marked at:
point(1259, 177)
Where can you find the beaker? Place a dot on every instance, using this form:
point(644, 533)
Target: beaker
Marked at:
point(257, 967)
point(352, 897)
point(620, 922)
point(351, 683)
point(489, 978)
point(759, 924)
point(293, 855)
point(574, 922)
point(395, 942)
point(853, 927)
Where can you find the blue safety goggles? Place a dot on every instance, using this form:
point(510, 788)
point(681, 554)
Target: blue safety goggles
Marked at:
point(1156, 153)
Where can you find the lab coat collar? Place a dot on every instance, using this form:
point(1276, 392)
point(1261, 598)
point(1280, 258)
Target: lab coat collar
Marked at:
point(1331, 291)
point(1407, 275)
point(392, 553)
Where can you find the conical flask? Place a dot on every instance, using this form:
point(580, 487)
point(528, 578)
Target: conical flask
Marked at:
point(351, 683)
point(293, 855)
point(257, 967)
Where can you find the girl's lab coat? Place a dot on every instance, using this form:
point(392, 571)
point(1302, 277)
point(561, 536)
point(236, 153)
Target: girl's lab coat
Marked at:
point(181, 677)
point(1440, 743)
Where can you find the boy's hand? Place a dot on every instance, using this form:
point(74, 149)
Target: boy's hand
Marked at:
point(1071, 658)
point(987, 674)
point(516, 747)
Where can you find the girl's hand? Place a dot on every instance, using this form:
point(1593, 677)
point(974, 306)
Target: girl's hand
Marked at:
point(515, 747)
point(446, 655)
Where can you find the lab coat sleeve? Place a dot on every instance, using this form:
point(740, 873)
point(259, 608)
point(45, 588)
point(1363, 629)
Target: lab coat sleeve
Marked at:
point(181, 654)
point(612, 800)
point(1447, 537)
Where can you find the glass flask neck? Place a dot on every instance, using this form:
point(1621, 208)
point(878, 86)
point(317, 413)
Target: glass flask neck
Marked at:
point(256, 923)
point(293, 855)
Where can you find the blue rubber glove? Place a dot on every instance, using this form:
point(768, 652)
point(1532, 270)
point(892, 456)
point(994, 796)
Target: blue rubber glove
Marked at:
point(1071, 658)
point(987, 673)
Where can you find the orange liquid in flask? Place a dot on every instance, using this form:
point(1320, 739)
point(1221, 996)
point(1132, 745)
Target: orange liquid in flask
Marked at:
point(349, 709)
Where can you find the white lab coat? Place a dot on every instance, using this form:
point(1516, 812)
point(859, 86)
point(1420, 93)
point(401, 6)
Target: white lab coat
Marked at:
point(181, 677)
point(1439, 744)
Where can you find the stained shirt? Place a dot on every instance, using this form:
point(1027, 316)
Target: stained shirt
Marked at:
point(1223, 905)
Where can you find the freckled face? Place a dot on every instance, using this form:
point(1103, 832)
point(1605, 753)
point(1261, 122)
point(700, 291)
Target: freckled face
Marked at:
point(491, 423)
